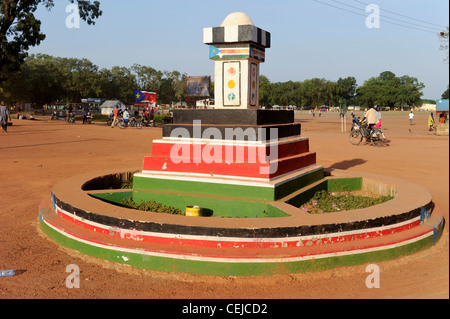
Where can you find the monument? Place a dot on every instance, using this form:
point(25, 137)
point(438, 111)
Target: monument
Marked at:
point(260, 152)
point(237, 47)
point(249, 170)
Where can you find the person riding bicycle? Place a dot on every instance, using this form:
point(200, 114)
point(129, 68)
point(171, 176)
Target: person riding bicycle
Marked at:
point(371, 119)
point(126, 116)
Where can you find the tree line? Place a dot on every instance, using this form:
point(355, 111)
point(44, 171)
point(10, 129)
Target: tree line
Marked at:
point(385, 90)
point(44, 79)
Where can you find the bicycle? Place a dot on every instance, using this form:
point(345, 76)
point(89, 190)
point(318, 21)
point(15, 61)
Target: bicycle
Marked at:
point(130, 123)
point(375, 137)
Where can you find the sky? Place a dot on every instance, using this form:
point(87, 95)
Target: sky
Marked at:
point(328, 39)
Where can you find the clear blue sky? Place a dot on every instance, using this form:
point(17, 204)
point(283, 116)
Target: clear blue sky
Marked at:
point(309, 38)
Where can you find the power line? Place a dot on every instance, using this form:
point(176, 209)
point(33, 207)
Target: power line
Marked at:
point(438, 25)
point(340, 8)
point(385, 17)
point(365, 15)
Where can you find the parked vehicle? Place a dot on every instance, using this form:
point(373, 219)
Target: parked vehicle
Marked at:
point(87, 118)
point(147, 122)
point(58, 115)
point(71, 118)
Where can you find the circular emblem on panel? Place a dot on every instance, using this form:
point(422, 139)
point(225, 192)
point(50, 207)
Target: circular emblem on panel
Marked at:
point(231, 71)
point(231, 97)
point(231, 84)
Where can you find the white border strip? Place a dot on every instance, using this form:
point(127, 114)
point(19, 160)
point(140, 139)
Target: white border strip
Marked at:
point(178, 140)
point(190, 140)
point(229, 179)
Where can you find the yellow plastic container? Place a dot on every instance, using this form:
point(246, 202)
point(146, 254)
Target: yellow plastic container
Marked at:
point(193, 210)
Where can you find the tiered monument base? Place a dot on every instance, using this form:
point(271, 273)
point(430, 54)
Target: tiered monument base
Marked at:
point(251, 223)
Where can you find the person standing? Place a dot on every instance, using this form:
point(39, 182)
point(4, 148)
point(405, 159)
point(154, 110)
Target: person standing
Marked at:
point(430, 121)
point(116, 116)
point(4, 116)
point(411, 117)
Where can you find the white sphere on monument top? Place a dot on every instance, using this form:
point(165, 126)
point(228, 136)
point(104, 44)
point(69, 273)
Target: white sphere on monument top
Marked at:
point(237, 18)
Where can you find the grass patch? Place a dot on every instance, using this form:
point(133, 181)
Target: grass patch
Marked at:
point(326, 202)
point(151, 206)
point(127, 184)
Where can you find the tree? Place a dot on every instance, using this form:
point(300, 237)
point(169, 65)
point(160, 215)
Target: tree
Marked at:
point(122, 84)
point(390, 90)
point(147, 78)
point(177, 81)
point(445, 94)
point(264, 90)
point(387, 76)
point(346, 89)
point(43, 79)
point(79, 75)
point(166, 92)
point(20, 30)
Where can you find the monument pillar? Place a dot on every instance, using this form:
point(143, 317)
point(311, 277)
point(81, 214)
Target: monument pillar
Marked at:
point(237, 47)
point(235, 150)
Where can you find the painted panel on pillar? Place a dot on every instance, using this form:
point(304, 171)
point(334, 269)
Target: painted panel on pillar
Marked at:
point(257, 53)
point(216, 53)
point(254, 85)
point(231, 83)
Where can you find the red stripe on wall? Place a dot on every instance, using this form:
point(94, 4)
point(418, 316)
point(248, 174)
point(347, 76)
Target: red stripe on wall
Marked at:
point(257, 243)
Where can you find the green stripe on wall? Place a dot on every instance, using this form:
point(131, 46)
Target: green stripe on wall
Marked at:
point(298, 183)
point(211, 206)
point(218, 189)
point(233, 269)
point(178, 186)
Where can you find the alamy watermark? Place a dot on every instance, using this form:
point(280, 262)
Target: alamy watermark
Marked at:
point(73, 19)
point(73, 280)
point(373, 280)
point(226, 152)
point(373, 19)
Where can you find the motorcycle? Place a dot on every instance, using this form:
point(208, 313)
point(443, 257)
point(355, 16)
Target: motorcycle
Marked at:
point(131, 122)
point(148, 122)
point(71, 118)
point(57, 115)
point(88, 119)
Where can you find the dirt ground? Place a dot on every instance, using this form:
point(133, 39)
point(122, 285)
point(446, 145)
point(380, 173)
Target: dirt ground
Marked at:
point(36, 155)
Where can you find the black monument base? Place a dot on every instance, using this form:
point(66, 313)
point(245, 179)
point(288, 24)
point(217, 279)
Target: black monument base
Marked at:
point(232, 124)
point(233, 116)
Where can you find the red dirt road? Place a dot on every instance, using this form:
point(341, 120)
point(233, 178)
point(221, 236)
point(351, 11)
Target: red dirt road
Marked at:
point(36, 155)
